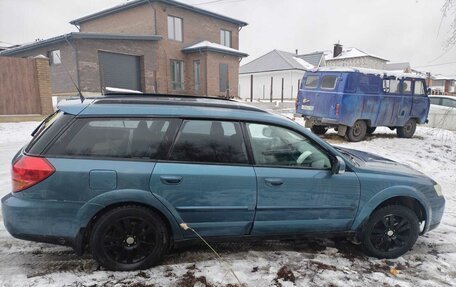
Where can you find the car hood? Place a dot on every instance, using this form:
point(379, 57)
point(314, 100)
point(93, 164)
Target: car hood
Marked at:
point(377, 163)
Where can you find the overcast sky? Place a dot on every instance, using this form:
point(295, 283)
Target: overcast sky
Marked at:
point(401, 31)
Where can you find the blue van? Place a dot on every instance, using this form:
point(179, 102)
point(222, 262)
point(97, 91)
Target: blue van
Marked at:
point(355, 101)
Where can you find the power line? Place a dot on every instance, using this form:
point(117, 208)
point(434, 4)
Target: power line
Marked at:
point(217, 1)
point(441, 64)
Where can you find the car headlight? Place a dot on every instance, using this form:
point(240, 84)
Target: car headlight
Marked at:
point(438, 189)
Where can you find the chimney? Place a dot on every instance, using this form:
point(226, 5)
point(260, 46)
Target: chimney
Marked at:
point(296, 51)
point(337, 50)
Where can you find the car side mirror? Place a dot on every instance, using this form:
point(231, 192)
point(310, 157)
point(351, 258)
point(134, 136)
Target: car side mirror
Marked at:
point(339, 166)
point(429, 91)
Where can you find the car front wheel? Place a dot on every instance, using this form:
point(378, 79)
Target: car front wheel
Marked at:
point(319, 130)
point(390, 232)
point(129, 238)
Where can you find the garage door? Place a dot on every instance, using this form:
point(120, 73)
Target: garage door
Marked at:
point(120, 71)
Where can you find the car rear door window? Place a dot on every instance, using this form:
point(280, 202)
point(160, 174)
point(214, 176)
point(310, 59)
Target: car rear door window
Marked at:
point(116, 138)
point(210, 141)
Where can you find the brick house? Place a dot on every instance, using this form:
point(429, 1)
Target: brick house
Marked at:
point(161, 46)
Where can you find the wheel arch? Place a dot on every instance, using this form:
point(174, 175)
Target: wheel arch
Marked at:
point(105, 202)
point(405, 196)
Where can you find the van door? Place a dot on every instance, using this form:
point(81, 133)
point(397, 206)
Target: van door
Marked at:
point(208, 180)
point(420, 105)
point(319, 97)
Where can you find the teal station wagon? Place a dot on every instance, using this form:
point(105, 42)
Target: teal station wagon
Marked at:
point(118, 175)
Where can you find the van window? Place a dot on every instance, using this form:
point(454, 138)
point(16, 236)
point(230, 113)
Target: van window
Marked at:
point(369, 84)
point(350, 83)
point(391, 86)
point(311, 82)
point(419, 88)
point(210, 141)
point(407, 87)
point(115, 138)
point(328, 82)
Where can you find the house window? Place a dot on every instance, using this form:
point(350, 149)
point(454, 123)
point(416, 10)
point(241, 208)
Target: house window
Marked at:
point(225, 38)
point(223, 76)
point(54, 57)
point(197, 75)
point(174, 28)
point(177, 75)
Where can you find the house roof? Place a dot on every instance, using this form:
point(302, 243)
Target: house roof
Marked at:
point(397, 66)
point(348, 53)
point(275, 61)
point(313, 58)
point(135, 3)
point(213, 47)
point(77, 35)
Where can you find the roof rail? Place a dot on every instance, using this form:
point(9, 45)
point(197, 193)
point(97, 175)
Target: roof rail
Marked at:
point(151, 95)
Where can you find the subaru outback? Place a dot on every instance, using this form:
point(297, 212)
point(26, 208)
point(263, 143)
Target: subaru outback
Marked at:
point(119, 176)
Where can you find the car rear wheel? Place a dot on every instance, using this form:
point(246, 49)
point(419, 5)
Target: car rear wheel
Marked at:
point(129, 238)
point(390, 232)
point(357, 132)
point(408, 130)
point(319, 130)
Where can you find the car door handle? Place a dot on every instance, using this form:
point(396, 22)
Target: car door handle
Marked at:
point(171, 179)
point(273, 181)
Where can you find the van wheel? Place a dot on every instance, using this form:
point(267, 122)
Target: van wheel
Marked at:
point(408, 130)
point(371, 130)
point(129, 238)
point(390, 232)
point(357, 132)
point(319, 130)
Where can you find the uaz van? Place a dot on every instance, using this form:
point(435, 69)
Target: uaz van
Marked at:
point(355, 101)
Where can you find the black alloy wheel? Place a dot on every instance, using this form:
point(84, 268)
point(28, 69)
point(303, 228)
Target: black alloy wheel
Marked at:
point(391, 232)
point(129, 238)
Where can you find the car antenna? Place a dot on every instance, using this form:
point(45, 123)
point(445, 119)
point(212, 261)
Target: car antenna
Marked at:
point(71, 78)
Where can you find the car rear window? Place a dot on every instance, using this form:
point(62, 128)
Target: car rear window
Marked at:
point(328, 82)
point(46, 131)
point(143, 138)
point(311, 82)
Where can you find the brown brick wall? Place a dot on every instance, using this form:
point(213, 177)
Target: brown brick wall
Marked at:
point(43, 76)
point(214, 61)
point(138, 20)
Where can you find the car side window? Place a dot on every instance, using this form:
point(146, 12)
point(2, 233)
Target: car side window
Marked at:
point(211, 142)
point(449, 103)
point(278, 146)
point(407, 87)
point(311, 82)
point(116, 138)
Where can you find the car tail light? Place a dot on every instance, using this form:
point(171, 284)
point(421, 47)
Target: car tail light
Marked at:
point(28, 171)
point(337, 109)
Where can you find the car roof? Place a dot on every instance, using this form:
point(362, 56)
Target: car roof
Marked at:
point(443, 96)
point(165, 106)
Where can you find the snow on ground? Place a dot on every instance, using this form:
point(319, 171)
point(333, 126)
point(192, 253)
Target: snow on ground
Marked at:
point(432, 262)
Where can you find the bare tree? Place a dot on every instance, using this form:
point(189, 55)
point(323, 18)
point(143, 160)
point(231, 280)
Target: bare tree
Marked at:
point(449, 10)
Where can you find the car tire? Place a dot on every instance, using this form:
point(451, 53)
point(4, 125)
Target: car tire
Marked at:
point(408, 130)
point(357, 132)
point(371, 130)
point(319, 130)
point(390, 232)
point(129, 238)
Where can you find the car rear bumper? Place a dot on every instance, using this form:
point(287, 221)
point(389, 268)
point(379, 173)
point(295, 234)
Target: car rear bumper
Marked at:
point(41, 220)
